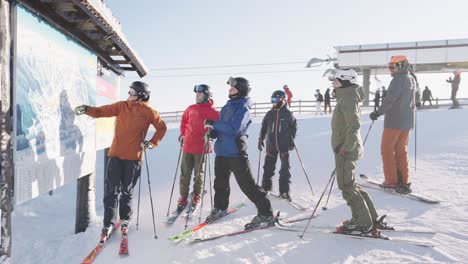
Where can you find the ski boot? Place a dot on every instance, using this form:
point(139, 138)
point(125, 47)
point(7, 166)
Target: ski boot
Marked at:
point(286, 196)
point(349, 227)
point(261, 220)
point(106, 232)
point(379, 224)
point(215, 214)
point(182, 203)
point(404, 188)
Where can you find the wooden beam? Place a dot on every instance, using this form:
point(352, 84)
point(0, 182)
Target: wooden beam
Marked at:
point(69, 29)
point(6, 159)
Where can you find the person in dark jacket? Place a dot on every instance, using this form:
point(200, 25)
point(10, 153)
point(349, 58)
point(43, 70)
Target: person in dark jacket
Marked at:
point(427, 96)
point(384, 93)
point(133, 118)
point(230, 147)
point(399, 111)
point(318, 102)
point(279, 128)
point(376, 100)
point(327, 101)
point(455, 84)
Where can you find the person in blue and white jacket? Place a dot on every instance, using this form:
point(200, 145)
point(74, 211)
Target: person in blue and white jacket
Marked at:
point(230, 147)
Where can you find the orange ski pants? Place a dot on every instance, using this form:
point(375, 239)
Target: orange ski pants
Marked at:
point(394, 150)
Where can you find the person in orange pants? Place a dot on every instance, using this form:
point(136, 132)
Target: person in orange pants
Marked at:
point(399, 110)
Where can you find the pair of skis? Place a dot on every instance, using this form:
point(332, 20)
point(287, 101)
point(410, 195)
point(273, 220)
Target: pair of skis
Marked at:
point(190, 211)
point(189, 232)
point(123, 248)
point(370, 183)
point(283, 224)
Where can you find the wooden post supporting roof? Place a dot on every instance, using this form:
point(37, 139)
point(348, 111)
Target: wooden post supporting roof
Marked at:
point(6, 157)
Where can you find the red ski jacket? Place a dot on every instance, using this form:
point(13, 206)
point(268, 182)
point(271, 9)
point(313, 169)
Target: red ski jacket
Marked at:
point(192, 126)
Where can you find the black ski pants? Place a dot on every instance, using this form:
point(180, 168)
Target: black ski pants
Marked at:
point(240, 166)
point(269, 171)
point(121, 177)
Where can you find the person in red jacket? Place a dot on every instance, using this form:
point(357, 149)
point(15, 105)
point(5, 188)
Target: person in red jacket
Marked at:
point(192, 139)
point(288, 93)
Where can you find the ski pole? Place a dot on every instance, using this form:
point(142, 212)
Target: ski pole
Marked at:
point(303, 168)
point(173, 182)
point(197, 174)
point(138, 207)
point(151, 196)
point(329, 192)
point(415, 138)
point(204, 177)
point(209, 171)
point(259, 161)
point(318, 203)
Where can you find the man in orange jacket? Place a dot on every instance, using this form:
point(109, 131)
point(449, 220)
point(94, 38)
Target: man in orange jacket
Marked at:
point(133, 118)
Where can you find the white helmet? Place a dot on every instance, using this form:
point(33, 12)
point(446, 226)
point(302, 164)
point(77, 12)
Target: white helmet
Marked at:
point(343, 74)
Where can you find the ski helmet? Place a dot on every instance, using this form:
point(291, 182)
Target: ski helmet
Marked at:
point(140, 89)
point(202, 88)
point(241, 84)
point(278, 96)
point(343, 75)
point(399, 62)
point(285, 86)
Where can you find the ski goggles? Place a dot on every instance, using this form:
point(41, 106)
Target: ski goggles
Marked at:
point(132, 92)
point(232, 82)
point(275, 100)
point(199, 88)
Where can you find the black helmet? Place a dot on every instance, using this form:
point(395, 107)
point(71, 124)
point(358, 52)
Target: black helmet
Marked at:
point(278, 94)
point(242, 85)
point(142, 89)
point(203, 88)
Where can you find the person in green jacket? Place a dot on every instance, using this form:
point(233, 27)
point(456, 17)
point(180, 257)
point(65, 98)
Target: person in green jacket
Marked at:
point(347, 147)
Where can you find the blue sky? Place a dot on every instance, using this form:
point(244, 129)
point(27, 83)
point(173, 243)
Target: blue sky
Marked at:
point(175, 34)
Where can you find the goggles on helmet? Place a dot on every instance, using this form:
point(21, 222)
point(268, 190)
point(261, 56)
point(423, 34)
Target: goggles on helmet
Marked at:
point(132, 92)
point(342, 74)
point(199, 89)
point(275, 100)
point(231, 81)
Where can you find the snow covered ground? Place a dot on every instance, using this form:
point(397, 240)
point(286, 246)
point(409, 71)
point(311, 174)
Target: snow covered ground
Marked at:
point(43, 228)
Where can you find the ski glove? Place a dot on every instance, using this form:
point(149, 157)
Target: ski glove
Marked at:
point(146, 144)
point(260, 144)
point(209, 124)
point(292, 145)
point(374, 115)
point(181, 140)
point(79, 110)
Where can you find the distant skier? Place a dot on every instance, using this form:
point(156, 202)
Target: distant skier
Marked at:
point(427, 96)
point(455, 84)
point(133, 118)
point(399, 110)
point(327, 102)
point(318, 102)
point(192, 132)
point(288, 94)
point(377, 100)
point(230, 132)
point(279, 128)
point(384, 93)
point(347, 146)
